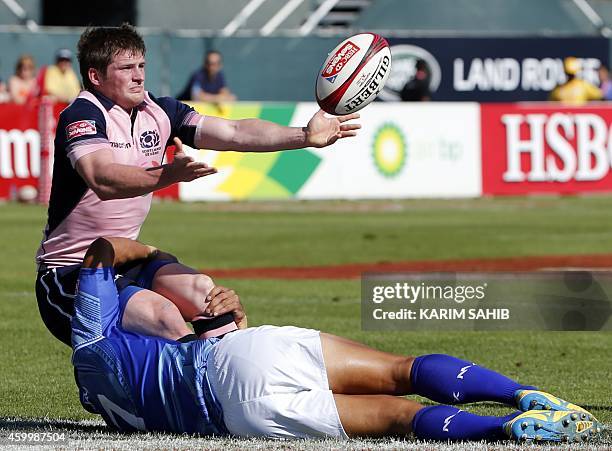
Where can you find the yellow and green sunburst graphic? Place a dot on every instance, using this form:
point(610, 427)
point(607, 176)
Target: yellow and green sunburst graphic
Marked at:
point(273, 175)
point(389, 150)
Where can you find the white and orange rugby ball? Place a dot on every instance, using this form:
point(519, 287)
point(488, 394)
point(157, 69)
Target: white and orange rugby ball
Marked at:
point(353, 74)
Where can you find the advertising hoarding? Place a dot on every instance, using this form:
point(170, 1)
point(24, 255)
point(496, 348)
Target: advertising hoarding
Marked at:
point(402, 151)
point(545, 148)
point(493, 69)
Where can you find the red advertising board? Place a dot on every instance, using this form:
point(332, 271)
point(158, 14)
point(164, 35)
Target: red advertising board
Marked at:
point(545, 148)
point(20, 150)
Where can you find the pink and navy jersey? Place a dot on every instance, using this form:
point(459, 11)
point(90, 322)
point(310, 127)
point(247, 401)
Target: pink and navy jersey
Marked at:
point(76, 215)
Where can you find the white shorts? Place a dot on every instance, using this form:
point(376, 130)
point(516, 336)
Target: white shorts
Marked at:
point(271, 381)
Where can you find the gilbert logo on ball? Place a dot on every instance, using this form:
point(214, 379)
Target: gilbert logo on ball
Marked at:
point(353, 74)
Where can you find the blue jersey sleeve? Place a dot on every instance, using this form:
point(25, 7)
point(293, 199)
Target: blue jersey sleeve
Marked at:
point(99, 305)
point(96, 306)
point(183, 119)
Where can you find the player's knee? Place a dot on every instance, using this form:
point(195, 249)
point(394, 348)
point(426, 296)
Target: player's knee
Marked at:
point(202, 285)
point(170, 322)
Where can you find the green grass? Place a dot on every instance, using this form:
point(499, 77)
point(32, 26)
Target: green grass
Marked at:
point(36, 378)
point(341, 232)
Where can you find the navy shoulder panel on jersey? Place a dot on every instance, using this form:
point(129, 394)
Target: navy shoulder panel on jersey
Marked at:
point(81, 121)
point(179, 115)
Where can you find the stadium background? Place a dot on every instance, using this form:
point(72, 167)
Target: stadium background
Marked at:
point(435, 179)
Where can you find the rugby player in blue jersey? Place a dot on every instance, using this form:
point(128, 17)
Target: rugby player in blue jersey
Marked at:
point(283, 382)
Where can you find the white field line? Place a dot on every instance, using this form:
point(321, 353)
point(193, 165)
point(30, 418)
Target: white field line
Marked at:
point(90, 434)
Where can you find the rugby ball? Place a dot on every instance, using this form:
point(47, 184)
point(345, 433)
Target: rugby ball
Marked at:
point(353, 74)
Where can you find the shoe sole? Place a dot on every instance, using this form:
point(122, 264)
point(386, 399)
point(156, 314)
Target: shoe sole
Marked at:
point(571, 426)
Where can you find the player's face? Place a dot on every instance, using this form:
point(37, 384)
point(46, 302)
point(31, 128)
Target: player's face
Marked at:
point(123, 82)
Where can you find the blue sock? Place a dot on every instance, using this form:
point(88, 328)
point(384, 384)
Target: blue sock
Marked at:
point(450, 423)
point(450, 380)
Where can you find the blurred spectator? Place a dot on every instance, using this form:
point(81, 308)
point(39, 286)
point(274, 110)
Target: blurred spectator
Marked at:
point(22, 85)
point(417, 88)
point(60, 80)
point(207, 84)
point(4, 94)
point(604, 82)
point(575, 91)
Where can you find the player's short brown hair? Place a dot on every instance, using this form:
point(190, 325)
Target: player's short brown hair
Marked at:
point(98, 45)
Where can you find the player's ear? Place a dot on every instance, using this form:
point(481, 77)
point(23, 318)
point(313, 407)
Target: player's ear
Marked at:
point(94, 76)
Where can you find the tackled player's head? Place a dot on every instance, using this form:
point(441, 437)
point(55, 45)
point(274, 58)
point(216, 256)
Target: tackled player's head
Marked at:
point(102, 48)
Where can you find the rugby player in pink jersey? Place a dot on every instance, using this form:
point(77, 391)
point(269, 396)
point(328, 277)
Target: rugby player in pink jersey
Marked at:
point(110, 157)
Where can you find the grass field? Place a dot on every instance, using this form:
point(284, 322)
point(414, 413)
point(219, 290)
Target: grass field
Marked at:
point(36, 382)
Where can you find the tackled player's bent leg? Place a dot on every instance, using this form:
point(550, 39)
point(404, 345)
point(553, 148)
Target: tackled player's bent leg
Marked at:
point(191, 291)
point(185, 286)
point(356, 369)
point(376, 415)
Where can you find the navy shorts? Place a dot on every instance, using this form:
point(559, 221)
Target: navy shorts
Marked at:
point(56, 290)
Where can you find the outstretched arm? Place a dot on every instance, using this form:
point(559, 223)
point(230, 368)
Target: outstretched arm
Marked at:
point(256, 135)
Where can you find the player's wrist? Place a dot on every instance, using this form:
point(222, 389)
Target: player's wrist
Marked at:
point(309, 138)
point(169, 175)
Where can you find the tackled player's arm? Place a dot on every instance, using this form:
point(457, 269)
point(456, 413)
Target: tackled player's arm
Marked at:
point(111, 180)
point(256, 135)
point(114, 251)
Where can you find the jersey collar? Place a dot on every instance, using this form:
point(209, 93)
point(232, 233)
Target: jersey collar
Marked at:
point(108, 104)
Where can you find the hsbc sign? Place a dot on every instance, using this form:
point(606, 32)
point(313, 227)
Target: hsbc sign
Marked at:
point(528, 149)
point(579, 145)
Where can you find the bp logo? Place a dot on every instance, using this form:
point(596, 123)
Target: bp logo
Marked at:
point(404, 67)
point(149, 139)
point(389, 150)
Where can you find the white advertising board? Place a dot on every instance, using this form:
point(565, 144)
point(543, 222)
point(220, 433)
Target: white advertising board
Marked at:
point(403, 150)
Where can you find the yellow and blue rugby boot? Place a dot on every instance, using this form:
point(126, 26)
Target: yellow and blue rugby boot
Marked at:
point(539, 400)
point(552, 426)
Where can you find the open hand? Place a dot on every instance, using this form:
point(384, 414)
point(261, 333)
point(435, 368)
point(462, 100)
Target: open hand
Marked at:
point(184, 169)
point(322, 131)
